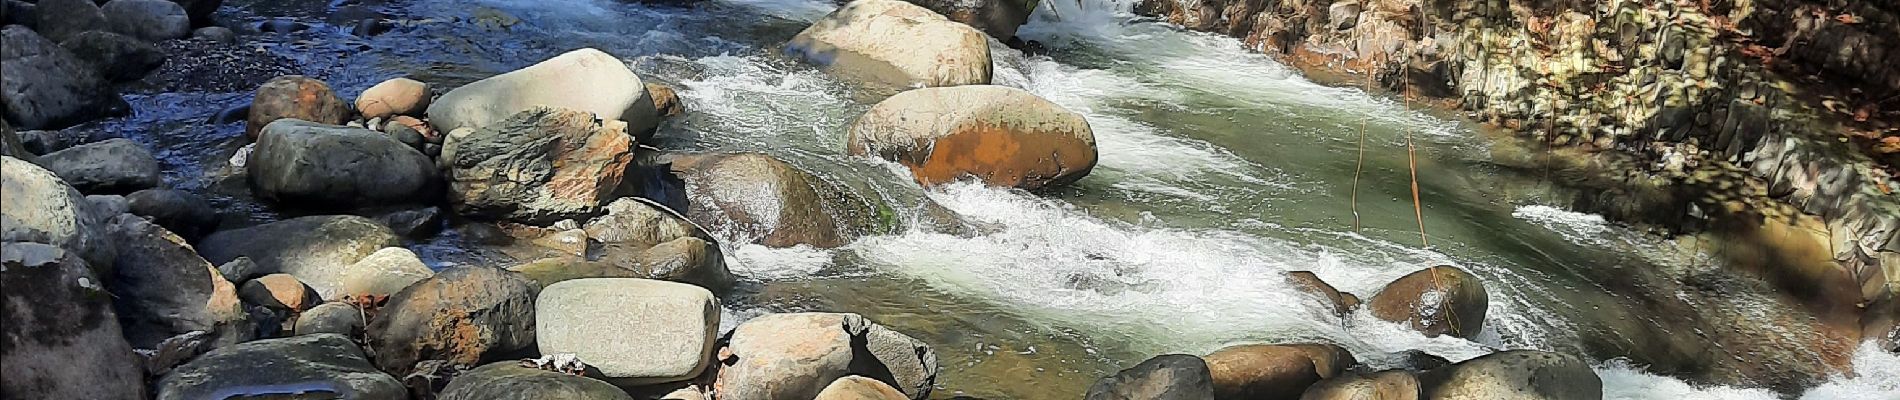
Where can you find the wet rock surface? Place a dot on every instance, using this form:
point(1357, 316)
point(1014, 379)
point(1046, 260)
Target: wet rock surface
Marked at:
point(313, 365)
point(61, 335)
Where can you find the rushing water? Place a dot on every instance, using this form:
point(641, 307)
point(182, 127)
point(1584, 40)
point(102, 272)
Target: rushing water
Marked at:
point(1220, 169)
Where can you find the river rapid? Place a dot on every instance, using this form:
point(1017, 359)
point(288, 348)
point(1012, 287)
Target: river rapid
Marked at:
point(1220, 170)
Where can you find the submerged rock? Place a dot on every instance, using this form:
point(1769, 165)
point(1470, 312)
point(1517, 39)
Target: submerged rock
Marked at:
point(115, 57)
point(1001, 135)
point(150, 20)
point(57, 325)
point(400, 96)
point(1165, 377)
point(297, 97)
point(1273, 371)
point(463, 316)
point(792, 356)
point(1442, 300)
point(45, 86)
point(337, 168)
point(511, 381)
point(318, 250)
point(760, 199)
point(324, 365)
point(895, 44)
point(998, 18)
point(1514, 374)
point(111, 166)
point(40, 208)
point(162, 288)
point(540, 166)
point(633, 331)
point(181, 212)
point(585, 80)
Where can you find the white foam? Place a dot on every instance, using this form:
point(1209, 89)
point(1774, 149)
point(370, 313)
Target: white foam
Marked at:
point(772, 264)
point(1572, 225)
point(1876, 376)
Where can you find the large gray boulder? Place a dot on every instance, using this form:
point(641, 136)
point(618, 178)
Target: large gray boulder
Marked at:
point(761, 199)
point(1514, 374)
point(318, 366)
point(62, 19)
point(793, 356)
point(998, 18)
point(40, 208)
point(1001, 135)
point(181, 212)
point(45, 86)
point(152, 20)
point(464, 316)
point(1165, 377)
point(1441, 300)
point(585, 80)
point(315, 249)
point(894, 44)
point(511, 381)
point(168, 290)
point(61, 337)
point(337, 167)
point(113, 166)
point(540, 166)
point(114, 56)
point(635, 331)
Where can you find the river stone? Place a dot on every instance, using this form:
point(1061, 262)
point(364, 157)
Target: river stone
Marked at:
point(1001, 135)
point(1514, 374)
point(45, 86)
point(511, 381)
point(181, 212)
point(382, 273)
point(400, 96)
point(760, 199)
point(311, 366)
point(1260, 371)
point(895, 44)
point(1165, 377)
point(294, 96)
point(61, 336)
point(62, 19)
point(1384, 385)
point(1332, 299)
point(463, 315)
point(789, 356)
point(665, 101)
point(150, 20)
point(115, 57)
point(279, 291)
point(336, 317)
point(111, 166)
point(317, 249)
point(337, 167)
point(1456, 308)
point(200, 10)
point(689, 260)
point(585, 80)
point(40, 208)
point(634, 331)
point(540, 166)
point(162, 288)
point(859, 388)
point(998, 18)
point(105, 207)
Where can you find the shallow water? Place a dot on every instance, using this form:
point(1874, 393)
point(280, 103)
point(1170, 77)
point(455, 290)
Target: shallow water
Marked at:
point(1220, 170)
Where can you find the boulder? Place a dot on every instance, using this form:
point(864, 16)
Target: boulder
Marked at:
point(894, 44)
point(338, 317)
point(688, 259)
point(414, 223)
point(760, 199)
point(19, 12)
point(112, 166)
point(311, 366)
point(12, 146)
point(1262, 371)
point(585, 80)
point(162, 288)
point(105, 207)
point(859, 388)
point(215, 34)
point(540, 166)
point(665, 101)
point(150, 20)
point(1442, 300)
point(181, 212)
point(463, 316)
point(1001, 135)
point(658, 243)
point(45, 86)
point(641, 223)
point(1385, 385)
point(1165, 377)
point(337, 167)
point(400, 96)
point(40, 208)
point(294, 96)
point(115, 57)
point(279, 291)
point(62, 19)
point(315, 249)
point(634, 331)
point(200, 10)
point(61, 336)
point(1332, 299)
point(1514, 374)
point(511, 381)
point(382, 273)
point(791, 356)
point(998, 18)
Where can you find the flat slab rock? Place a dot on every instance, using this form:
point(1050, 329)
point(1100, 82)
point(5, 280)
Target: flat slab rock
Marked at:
point(635, 331)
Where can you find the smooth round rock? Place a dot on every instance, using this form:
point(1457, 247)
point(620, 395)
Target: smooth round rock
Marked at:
point(298, 97)
point(1442, 300)
point(896, 45)
point(1000, 135)
point(400, 96)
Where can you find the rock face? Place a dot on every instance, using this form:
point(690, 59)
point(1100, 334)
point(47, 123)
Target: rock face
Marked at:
point(298, 97)
point(463, 315)
point(166, 290)
point(895, 44)
point(40, 208)
point(1273, 371)
point(760, 199)
point(57, 324)
point(998, 18)
point(585, 80)
point(322, 365)
point(150, 20)
point(1165, 377)
point(315, 249)
point(337, 167)
point(111, 166)
point(540, 166)
point(635, 331)
point(181, 212)
point(45, 86)
point(1442, 300)
point(791, 356)
point(1002, 135)
point(859, 388)
point(1385, 385)
point(511, 381)
point(62, 19)
point(400, 96)
point(1333, 299)
point(1514, 374)
point(115, 57)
